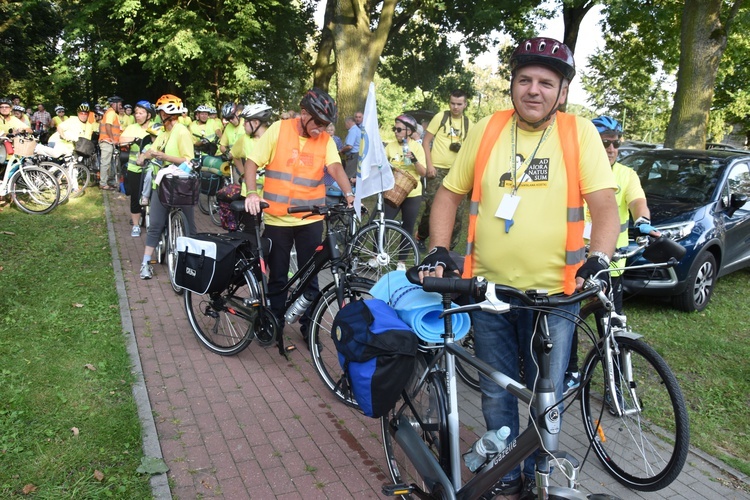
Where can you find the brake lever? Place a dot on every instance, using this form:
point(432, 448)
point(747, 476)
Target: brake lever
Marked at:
point(491, 304)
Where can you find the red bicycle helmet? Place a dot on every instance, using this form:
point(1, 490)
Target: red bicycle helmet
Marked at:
point(547, 52)
point(320, 105)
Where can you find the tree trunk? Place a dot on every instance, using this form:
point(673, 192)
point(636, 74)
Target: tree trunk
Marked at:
point(573, 14)
point(703, 39)
point(358, 50)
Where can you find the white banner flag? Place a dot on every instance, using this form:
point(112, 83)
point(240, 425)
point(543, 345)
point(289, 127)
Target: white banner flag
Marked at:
point(373, 170)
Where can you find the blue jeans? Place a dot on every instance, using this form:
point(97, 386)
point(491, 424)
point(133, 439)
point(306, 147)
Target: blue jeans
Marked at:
point(499, 339)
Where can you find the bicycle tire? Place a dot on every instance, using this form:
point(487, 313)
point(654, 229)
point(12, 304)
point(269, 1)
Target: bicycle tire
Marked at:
point(61, 176)
point(83, 177)
point(427, 412)
point(642, 451)
point(468, 374)
point(368, 262)
point(203, 203)
point(34, 190)
point(225, 322)
point(213, 210)
point(322, 349)
point(178, 225)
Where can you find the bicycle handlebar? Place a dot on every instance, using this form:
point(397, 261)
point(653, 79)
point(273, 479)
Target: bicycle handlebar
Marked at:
point(324, 210)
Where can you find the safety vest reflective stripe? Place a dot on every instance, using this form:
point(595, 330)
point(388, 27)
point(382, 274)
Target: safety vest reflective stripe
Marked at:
point(574, 246)
point(295, 177)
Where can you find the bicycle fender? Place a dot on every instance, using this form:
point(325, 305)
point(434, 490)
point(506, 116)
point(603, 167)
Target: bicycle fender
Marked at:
point(628, 334)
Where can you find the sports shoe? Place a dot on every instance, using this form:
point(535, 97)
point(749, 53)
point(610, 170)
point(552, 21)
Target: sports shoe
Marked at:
point(528, 493)
point(401, 266)
point(504, 489)
point(421, 246)
point(147, 271)
point(135, 232)
point(572, 382)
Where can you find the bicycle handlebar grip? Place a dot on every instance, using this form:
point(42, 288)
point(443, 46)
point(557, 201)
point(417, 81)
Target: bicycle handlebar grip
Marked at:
point(298, 210)
point(448, 285)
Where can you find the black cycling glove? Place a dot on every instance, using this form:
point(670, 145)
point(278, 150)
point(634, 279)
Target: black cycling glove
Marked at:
point(438, 256)
point(592, 266)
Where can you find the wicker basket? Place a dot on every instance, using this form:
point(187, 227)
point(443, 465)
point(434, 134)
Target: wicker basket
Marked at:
point(24, 146)
point(404, 185)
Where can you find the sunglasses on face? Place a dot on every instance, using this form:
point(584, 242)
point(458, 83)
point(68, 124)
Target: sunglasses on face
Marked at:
point(398, 129)
point(616, 144)
point(320, 123)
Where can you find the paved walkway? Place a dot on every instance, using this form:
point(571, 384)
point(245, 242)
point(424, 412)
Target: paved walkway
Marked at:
point(258, 426)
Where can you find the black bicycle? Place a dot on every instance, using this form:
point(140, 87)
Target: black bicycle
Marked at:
point(226, 322)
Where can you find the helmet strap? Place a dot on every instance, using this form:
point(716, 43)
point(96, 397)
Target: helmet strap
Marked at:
point(304, 126)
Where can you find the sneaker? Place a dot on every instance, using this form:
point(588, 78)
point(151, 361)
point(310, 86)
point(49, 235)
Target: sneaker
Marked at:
point(421, 246)
point(504, 489)
point(528, 491)
point(135, 232)
point(572, 382)
point(147, 271)
point(372, 263)
point(401, 266)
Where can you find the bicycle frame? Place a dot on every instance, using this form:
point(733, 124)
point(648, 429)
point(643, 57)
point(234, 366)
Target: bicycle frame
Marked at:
point(542, 434)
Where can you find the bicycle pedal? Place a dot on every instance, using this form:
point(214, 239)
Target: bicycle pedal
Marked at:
point(396, 490)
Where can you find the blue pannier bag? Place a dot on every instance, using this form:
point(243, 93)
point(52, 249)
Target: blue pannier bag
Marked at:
point(376, 352)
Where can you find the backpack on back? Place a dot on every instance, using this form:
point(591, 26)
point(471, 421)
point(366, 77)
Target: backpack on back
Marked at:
point(377, 353)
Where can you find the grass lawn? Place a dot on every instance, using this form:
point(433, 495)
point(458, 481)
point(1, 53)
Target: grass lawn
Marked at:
point(68, 421)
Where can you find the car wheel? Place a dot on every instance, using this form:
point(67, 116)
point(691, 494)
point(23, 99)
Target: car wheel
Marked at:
point(700, 284)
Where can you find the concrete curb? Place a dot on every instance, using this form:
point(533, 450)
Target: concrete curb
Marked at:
point(151, 447)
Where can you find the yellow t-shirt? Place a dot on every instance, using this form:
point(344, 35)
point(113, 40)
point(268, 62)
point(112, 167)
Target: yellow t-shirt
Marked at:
point(11, 123)
point(451, 132)
point(231, 134)
point(395, 152)
point(263, 153)
point(532, 253)
point(70, 130)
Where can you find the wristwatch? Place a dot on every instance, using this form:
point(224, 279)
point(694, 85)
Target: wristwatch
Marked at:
point(347, 195)
point(601, 255)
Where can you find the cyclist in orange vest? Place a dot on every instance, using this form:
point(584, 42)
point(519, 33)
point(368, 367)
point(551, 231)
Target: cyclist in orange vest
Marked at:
point(530, 170)
point(294, 152)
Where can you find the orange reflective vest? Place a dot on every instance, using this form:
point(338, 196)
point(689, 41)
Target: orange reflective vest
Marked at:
point(294, 177)
point(574, 244)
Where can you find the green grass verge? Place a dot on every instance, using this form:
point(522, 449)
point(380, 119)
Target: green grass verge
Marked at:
point(68, 420)
point(708, 352)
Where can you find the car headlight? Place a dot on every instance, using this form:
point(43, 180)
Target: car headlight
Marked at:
point(677, 231)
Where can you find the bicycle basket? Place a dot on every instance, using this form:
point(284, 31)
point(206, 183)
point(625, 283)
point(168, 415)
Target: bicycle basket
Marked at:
point(24, 146)
point(404, 184)
point(177, 191)
point(85, 147)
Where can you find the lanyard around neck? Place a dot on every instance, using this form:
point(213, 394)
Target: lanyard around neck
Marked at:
point(513, 143)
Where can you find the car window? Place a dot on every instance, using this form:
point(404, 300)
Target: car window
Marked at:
point(682, 179)
point(738, 181)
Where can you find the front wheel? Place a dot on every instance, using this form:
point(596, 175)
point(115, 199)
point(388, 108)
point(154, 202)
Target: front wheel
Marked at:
point(34, 190)
point(226, 322)
point(62, 178)
point(213, 210)
point(377, 249)
point(178, 225)
point(322, 348)
point(423, 408)
point(700, 284)
point(644, 448)
point(82, 177)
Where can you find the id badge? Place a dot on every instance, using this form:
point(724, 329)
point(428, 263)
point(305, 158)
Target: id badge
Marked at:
point(508, 206)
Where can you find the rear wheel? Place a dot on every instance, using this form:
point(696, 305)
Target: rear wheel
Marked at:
point(34, 190)
point(213, 210)
point(423, 408)
point(178, 225)
point(644, 448)
point(227, 322)
point(322, 348)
